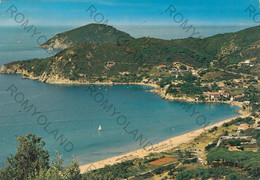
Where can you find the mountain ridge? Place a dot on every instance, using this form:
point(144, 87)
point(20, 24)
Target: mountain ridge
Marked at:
point(105, 61)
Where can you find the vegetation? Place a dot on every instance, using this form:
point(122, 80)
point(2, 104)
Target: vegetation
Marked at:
point(95, 46)
point(118, 171)
point(32, 162)
point(96, 55)
point(210, 146)
point(98, 33)
point(239, 120)
point(216, 173)
point(248, 161)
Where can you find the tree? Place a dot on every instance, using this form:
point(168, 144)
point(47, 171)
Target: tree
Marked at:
point(225, 133)
point(164, 82)
point(182, 67)
point(58, 172)
point(31, 162)
point(29, 159)
point(232, 176)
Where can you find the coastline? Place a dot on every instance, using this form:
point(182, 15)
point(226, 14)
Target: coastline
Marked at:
point(63, 81)
point(157, 148)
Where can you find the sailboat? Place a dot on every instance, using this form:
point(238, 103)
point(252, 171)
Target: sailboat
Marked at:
point(99, 128)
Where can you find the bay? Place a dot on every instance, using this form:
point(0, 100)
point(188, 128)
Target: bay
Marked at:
point(75, 114)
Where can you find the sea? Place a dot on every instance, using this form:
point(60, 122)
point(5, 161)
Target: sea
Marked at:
point(67, 117)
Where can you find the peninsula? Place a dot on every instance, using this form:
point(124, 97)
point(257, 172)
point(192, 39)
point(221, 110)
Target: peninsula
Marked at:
point(223, 67)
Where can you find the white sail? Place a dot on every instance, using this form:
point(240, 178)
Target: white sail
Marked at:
point(99, 128)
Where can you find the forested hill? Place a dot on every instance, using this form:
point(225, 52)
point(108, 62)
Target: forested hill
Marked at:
point(88, 33)
point(106, 60)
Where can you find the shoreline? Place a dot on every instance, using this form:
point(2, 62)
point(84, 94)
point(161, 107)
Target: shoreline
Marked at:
point(157, 148)
point(157, 90)
point(63, 81)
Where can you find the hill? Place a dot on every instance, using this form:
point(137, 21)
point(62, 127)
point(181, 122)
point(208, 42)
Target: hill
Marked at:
point(90, 33)
point(104, 59)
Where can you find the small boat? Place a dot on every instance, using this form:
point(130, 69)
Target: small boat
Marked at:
point(99, 128)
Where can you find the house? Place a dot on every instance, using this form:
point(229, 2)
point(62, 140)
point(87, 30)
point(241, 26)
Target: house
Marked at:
point(194, 72)
point(145, 80)
point(213, 95)
point(239, 96)
point(221, 91)
point(247, 63)
point(162, 67)
point(110, 64)
point(173, 70)
point(243, 127)
point(253, 141)
point(238, 80)
point(207, 85)
point(246, 103)
point(201, 161)
point(176, 63)
point(124, 73)
point(177, 88)
point(233, 148)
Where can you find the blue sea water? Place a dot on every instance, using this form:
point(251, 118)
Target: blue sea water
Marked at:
point(71, 111)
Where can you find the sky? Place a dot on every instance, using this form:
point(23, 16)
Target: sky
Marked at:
point(131, 12)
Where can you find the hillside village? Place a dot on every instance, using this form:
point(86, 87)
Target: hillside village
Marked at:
point(174, 80)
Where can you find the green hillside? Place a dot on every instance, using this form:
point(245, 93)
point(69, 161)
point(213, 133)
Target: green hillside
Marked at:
point(91, 60)
point(90, 33)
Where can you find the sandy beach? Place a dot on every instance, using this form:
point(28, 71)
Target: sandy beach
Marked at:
point(159, 147)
